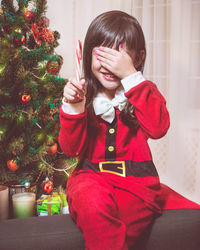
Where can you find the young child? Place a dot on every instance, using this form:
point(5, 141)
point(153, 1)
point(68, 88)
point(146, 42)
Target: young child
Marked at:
point(106, 120)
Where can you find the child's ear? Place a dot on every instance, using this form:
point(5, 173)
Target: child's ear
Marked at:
point(139, 58)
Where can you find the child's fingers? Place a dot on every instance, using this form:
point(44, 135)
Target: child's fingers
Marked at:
point(71, 91)
point(106, 61)
point(108, 50)
point(74, 88)
point(107, 57)
point(71, 95)
point(106, 66)
point(76, 84)
point(83, 83)
point(72, 99)
point(77, 87)
point(74, 91)
point(111, 53)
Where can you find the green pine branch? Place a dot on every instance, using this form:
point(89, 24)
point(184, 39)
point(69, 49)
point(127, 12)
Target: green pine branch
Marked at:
point(41, 7)
point(21, 6)
point(33, 56)
point(9, 6)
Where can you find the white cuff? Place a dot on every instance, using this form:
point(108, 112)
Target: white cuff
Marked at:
point(73, 108)
point(132, 80)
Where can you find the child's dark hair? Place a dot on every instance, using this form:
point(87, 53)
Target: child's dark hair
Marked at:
point(108, 29)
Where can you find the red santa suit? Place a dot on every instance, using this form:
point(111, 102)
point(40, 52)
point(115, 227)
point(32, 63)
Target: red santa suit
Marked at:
point(114, 193)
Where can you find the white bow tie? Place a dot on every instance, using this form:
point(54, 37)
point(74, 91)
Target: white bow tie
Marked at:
point(105, 108)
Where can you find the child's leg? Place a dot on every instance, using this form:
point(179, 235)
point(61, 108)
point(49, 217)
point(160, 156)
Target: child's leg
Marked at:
point(134, 213)
point(95, 212)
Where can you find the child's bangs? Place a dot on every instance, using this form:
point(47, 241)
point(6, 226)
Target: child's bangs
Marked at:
point(114, 39)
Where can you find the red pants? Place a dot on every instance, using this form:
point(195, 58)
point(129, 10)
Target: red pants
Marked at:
point(109, 217)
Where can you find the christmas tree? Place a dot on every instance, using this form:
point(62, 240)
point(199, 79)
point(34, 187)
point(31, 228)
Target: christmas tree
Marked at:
point(30, 93)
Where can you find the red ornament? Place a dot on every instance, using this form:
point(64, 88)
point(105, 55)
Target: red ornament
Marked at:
point(18, 39)
point(52, 149)
point(29, 16)
point(12, 165)
point(47, 186)
point(26, 98)
point(53, 67)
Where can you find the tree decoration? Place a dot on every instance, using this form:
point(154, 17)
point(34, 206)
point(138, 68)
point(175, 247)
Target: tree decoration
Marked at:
point(47, 186)
point(50, 140)
point(40, 137)
point(53, 149)
point(18, 39)
point(21, 118)
point(7, 29)
point(2, 133)
point(29, 125)
point(53, 67)
point(26, 98)
point(43, 22)
point(47, 35)
point(29, 16)
point(41, 68)
point(28, 110)
point(16, 146)
point(18, 30)
point(2, 67)
point(3, 130)
point(42, 34)
point(1, 18)
point(12, 165)
point(1, 11)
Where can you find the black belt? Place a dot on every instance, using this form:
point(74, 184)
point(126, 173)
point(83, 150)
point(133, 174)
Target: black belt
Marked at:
point(122, 168)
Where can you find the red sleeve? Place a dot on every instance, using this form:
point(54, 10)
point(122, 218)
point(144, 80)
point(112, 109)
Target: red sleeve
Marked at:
point(73, 133)
point(150, 109)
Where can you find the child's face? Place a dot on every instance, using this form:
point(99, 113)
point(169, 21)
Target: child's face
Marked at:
point(106, 78)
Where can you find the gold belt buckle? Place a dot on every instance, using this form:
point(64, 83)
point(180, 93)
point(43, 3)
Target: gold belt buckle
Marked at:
point(121, 166)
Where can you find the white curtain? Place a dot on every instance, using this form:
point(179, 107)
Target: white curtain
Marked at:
point(172, 31)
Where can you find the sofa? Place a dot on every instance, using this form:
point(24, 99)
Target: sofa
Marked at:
point(178, 228)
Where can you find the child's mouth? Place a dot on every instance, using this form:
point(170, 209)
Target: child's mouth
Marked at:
point(109, 76)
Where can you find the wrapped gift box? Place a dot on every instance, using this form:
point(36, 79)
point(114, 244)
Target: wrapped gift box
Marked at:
point(49, 204)
point(55, 203)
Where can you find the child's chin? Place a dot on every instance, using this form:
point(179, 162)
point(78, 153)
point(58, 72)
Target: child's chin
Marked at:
point(113, 86)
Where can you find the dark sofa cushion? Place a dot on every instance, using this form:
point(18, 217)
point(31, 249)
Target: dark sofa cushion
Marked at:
point(174, 230)
point(54, 232)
